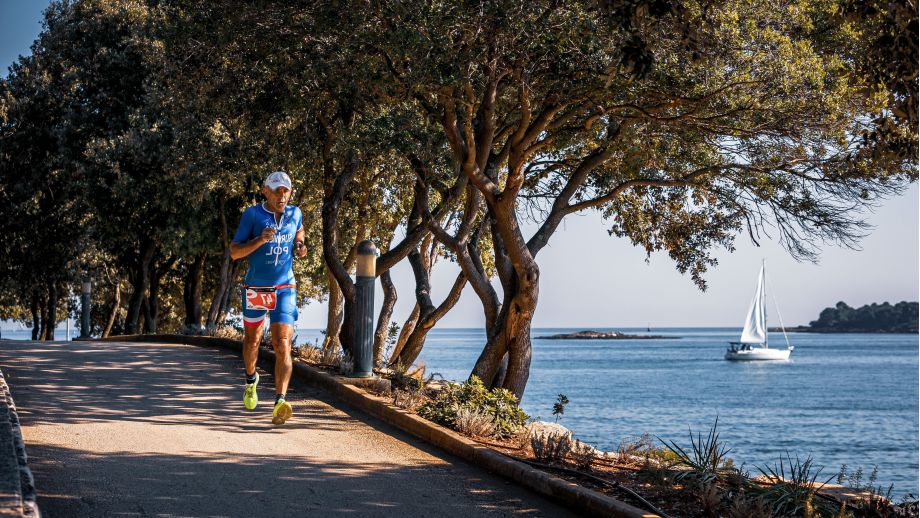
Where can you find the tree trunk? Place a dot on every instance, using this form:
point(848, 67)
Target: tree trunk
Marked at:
point(519, 346)
point(231, 289)
point(332, 201)
point(499, 379)
point(404, 333)
point(415, 232)
point(191, 291)
point(116, 302)
point(139, 283)
point(427, 321)
point(383, 320)
point(36, 316)
point(152, 314)
point(509, 346)
point(521, 284)
point(51, 312)
point(334, 314)
point(224, 278)
point(220, 291)
point(43, 318)
point(145, 319)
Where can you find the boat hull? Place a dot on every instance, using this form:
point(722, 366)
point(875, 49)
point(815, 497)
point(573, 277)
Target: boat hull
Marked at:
point(758, 354)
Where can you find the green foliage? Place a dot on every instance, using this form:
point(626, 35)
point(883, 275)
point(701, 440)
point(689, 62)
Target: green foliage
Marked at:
point(409, 377)
point(392, 336)
point(141, 130)
point(645, 448)
point(500, 404)
point(559, 406)
point(871, 318)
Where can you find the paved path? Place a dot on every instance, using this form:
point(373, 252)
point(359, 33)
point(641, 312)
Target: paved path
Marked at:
point(129, 429)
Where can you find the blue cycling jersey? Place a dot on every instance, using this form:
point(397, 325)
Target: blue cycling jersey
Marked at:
point(272, 264)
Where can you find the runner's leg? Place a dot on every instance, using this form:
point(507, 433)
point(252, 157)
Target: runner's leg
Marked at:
point(281, 342)
point(253, 325)
point(251, 340)
point(283, 318)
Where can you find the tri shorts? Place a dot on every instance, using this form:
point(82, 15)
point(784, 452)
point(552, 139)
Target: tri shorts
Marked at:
point(285, 311)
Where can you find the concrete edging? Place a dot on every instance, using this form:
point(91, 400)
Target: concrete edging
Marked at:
point(17, 485)
point(576, 497)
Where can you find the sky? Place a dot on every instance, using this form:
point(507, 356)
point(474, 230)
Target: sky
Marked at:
point(591, 280)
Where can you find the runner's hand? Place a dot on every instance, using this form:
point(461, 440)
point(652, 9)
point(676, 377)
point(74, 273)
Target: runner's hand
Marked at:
point(268, 233)
point(301, 249)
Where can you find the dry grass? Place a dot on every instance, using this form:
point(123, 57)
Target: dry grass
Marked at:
point(742, 507)
point(583, 455)
point(552, 447)
point(228, 332)
point(308, 354)
point(346, 364)
point(408, 399)
point(330, 356)
point(521, 440)
point(475, 423)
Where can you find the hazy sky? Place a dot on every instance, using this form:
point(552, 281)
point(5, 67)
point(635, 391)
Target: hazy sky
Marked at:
point(589, 279)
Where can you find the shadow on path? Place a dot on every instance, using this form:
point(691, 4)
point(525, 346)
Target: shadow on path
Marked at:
point(138, 429)
point(163, 383)
point(260, 486)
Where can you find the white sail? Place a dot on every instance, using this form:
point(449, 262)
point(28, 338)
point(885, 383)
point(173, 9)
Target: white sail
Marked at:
point(755, 325)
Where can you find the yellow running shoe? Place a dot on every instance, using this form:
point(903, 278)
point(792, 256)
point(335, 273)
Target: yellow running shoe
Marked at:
point(251, 396)
point(282, 412)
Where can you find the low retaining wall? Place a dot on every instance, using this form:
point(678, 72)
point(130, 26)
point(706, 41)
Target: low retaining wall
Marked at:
point(17, 486)
point(575, 497)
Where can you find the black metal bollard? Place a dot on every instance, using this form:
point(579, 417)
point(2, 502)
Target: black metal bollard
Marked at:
point(85, 304)
point(364, 310)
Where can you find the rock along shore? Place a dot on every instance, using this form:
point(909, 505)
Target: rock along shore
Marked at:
point(600, 335)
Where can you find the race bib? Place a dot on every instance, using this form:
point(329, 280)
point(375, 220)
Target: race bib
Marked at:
point(261, 298)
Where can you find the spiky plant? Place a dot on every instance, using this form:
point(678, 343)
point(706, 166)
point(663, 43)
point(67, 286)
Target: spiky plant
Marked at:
point(705, 463)
point(794, 493)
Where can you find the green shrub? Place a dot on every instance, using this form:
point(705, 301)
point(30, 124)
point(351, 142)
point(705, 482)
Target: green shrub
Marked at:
point(500, 404)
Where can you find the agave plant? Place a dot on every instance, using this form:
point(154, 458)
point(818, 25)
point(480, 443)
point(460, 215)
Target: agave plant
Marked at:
point(792, 493)
point(707, 461)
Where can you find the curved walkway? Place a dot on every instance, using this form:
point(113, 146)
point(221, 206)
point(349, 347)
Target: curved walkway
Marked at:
point(130, 429)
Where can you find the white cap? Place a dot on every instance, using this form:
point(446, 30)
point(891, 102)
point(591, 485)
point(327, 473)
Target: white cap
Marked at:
point(278, 179)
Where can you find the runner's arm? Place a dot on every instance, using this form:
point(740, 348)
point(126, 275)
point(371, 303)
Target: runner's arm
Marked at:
point(301, 251)
point(241, 250)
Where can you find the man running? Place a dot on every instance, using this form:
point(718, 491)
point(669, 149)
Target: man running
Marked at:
point(270, 234)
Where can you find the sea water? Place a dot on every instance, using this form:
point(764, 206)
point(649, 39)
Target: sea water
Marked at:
point(841, 399)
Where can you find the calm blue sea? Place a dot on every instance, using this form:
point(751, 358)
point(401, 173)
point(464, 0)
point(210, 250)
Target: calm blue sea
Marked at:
point(842, 398)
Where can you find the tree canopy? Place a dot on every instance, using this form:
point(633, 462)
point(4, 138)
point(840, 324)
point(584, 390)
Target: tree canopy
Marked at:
point(870, 318)
point(140, 130)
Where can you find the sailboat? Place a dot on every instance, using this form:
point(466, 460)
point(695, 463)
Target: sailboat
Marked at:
point(753, 344)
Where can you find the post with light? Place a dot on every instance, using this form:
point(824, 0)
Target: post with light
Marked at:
point(363, 348)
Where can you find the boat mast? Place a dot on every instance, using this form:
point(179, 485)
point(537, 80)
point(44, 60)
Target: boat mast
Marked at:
point(763, 304)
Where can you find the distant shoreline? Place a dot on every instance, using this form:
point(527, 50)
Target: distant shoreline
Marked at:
point(807, 329)
point(600, 335)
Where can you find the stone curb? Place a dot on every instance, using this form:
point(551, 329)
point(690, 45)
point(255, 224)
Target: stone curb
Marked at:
point(17, 496)
point(583, 500)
